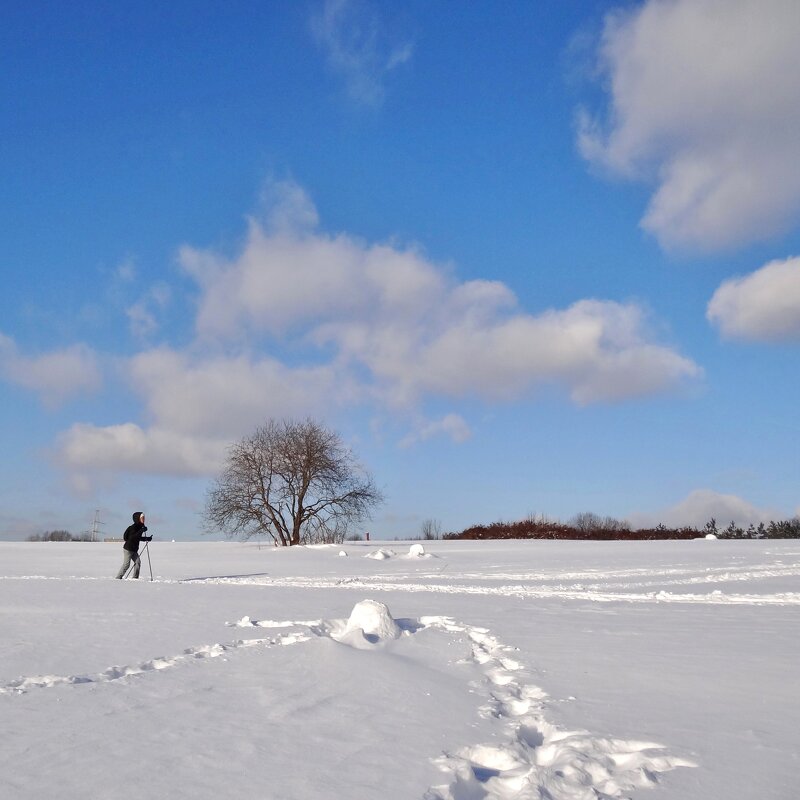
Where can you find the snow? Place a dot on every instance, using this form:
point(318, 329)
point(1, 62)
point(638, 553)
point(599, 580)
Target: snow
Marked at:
point(481, 670)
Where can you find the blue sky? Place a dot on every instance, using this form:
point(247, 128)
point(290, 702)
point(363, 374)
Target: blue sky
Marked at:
point(525, 257)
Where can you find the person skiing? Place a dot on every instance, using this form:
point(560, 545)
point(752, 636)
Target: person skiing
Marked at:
point(133, 535)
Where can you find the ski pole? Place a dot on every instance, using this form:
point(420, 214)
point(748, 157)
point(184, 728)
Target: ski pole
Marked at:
point(147, 550)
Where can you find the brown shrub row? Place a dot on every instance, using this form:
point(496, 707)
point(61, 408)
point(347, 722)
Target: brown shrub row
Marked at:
point(534, 529)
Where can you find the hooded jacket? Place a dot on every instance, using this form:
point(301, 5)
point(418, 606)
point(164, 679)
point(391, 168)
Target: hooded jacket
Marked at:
point(135, 533)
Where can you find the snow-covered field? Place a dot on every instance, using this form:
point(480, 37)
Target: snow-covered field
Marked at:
point(474, 670)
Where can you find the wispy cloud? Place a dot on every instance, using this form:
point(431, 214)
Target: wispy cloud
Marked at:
point(453, 426)
point(143, 314)
point(704, 100)
point(357, 47)
point(126, 271)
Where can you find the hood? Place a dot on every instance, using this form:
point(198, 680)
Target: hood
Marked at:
point(136, 516)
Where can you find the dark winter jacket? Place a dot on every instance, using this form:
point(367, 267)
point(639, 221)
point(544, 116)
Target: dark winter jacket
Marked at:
point(135, 533)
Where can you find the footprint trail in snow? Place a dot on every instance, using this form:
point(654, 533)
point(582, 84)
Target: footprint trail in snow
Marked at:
point(534, 758)
point(529, 758)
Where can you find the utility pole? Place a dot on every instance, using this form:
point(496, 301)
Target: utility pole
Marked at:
point(96, 524)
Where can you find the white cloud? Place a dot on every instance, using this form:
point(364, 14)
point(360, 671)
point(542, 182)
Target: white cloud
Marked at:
point(283, 281)
point(704, 96)
point(699, 506)
point(597, 350)
point(761, 306)
point(197, 407)
point(55, 376)
point(416, 330)
point(227, 395)
point(129, 448)
point(352, 36)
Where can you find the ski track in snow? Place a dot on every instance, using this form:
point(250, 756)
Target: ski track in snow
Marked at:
point(604, 586)
point(528, 758)
point(598, 594)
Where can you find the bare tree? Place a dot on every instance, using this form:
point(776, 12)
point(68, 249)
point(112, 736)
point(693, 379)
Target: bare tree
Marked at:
point(431, 529)
point(294, 481)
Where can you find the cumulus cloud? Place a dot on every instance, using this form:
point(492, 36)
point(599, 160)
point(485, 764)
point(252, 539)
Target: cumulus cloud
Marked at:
point(596, 350)
point(761, 306)
point(227, 395)
point(55, 376)
point(130, 448)
point(356, 47)
point(703, 98)
point(701, 505)
point(416, 330)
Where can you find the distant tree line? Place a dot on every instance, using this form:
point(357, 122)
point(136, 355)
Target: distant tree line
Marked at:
point(589, 526)
point(59, 536)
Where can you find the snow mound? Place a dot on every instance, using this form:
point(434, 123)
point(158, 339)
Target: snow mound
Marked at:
point(381, 555)
point(370, 623)
point(711, 536)
point(416, 550)
point(342, 553)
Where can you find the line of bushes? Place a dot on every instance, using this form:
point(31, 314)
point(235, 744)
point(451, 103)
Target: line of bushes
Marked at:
point(594, 528)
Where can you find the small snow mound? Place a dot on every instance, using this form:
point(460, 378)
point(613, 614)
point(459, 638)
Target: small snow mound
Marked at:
point(381, 555)
point(373, 618)
point(342, 553)
point(370, 623)
point(711, 536)
point(416, 550)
